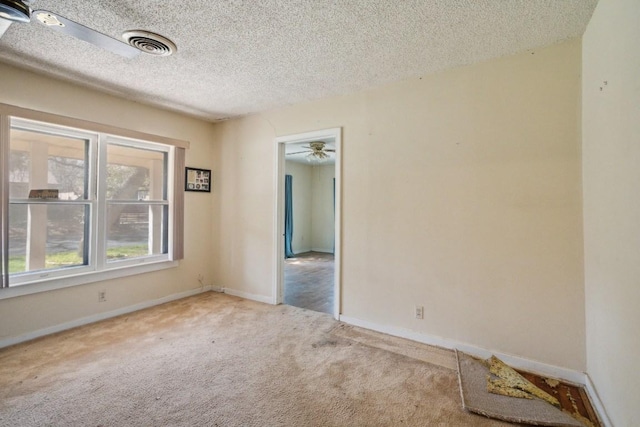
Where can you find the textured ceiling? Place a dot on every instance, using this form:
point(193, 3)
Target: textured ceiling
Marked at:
point(244, 56)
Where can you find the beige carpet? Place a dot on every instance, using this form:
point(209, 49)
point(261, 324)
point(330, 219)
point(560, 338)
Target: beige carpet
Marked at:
point(217, 360)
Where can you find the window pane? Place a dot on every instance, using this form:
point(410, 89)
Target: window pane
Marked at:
point(135, 230)
point(135, 173)
point(42, 161)
point(46, 236)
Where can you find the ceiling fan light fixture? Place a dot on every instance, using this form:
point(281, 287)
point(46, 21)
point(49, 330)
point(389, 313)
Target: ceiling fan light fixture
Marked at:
point(317, 156)
point(315, 152)
point(15, 10)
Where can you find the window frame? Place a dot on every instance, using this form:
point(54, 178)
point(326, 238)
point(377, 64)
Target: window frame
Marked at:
point(98, 269)
point(103, 202)
point(89, 201)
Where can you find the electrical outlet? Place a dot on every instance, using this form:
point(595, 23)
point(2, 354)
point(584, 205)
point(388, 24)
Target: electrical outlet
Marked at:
point(102, 296)
point(419, 312)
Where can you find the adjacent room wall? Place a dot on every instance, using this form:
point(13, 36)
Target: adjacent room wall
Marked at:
point(323, 219)
point(461, 193)
point(313, 218)
point(302, 240)
point(27, 314)
point(611, 176)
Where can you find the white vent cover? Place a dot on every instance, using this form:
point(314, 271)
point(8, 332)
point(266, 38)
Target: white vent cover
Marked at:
point(148, 42)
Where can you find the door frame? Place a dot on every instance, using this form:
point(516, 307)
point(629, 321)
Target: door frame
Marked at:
point(280, 143)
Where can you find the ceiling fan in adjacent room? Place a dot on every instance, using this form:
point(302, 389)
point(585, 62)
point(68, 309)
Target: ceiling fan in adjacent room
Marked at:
point(137, 40)
point(316, 152)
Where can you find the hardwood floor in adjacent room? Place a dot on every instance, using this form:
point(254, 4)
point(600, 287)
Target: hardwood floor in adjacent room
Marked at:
point(308, 281)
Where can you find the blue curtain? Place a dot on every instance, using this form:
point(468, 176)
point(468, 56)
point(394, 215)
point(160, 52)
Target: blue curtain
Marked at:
point(288, 216)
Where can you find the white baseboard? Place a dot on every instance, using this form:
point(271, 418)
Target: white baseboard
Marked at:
point(597, 403)
point(6, 342)
point(514, 361)
point(246, 295)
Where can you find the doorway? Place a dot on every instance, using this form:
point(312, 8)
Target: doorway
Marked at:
point(307, 252)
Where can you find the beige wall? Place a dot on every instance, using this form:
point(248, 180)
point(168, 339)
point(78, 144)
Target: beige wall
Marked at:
point(611, 153)
point(323, 220)
point(313, 219)
point(461, 192)
point(26, 314)
point(244, 203)
point(302, 239)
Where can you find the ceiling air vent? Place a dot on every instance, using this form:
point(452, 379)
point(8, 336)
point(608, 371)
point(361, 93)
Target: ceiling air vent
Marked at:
point(151, 43)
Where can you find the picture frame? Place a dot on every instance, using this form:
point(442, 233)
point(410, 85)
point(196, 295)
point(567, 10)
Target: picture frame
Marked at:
point(198, 180)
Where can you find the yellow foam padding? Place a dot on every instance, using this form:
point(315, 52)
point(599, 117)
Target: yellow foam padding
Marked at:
point(514, 380)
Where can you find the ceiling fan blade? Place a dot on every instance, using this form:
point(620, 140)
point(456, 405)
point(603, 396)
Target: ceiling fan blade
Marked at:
point(299, 152)
point(79, 31)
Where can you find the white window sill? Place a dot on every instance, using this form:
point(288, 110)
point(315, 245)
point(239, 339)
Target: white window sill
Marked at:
point(82, 279)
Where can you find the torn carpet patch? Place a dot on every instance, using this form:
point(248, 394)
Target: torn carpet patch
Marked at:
point(472, 375)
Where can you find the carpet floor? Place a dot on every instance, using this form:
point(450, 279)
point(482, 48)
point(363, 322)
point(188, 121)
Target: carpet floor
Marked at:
point(218, 360)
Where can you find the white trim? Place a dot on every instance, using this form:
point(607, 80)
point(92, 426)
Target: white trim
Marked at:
point(514, 361)
point(246, 295)
point(82, 279)
point(4, 201)
point(100, 220)
point(598, 406)
point(278, 226)
point(337, 250)
point(310, 136)
point(278, 282)
point(100, 316)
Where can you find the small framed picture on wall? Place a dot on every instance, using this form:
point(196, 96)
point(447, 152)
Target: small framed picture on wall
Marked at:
point(197, 179)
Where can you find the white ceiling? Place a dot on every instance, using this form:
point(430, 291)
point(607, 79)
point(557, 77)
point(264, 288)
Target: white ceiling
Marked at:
point(245, 56)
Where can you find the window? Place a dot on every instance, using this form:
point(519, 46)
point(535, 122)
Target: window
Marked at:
point(48, 234)
point(136, 201)
point(81, 204)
